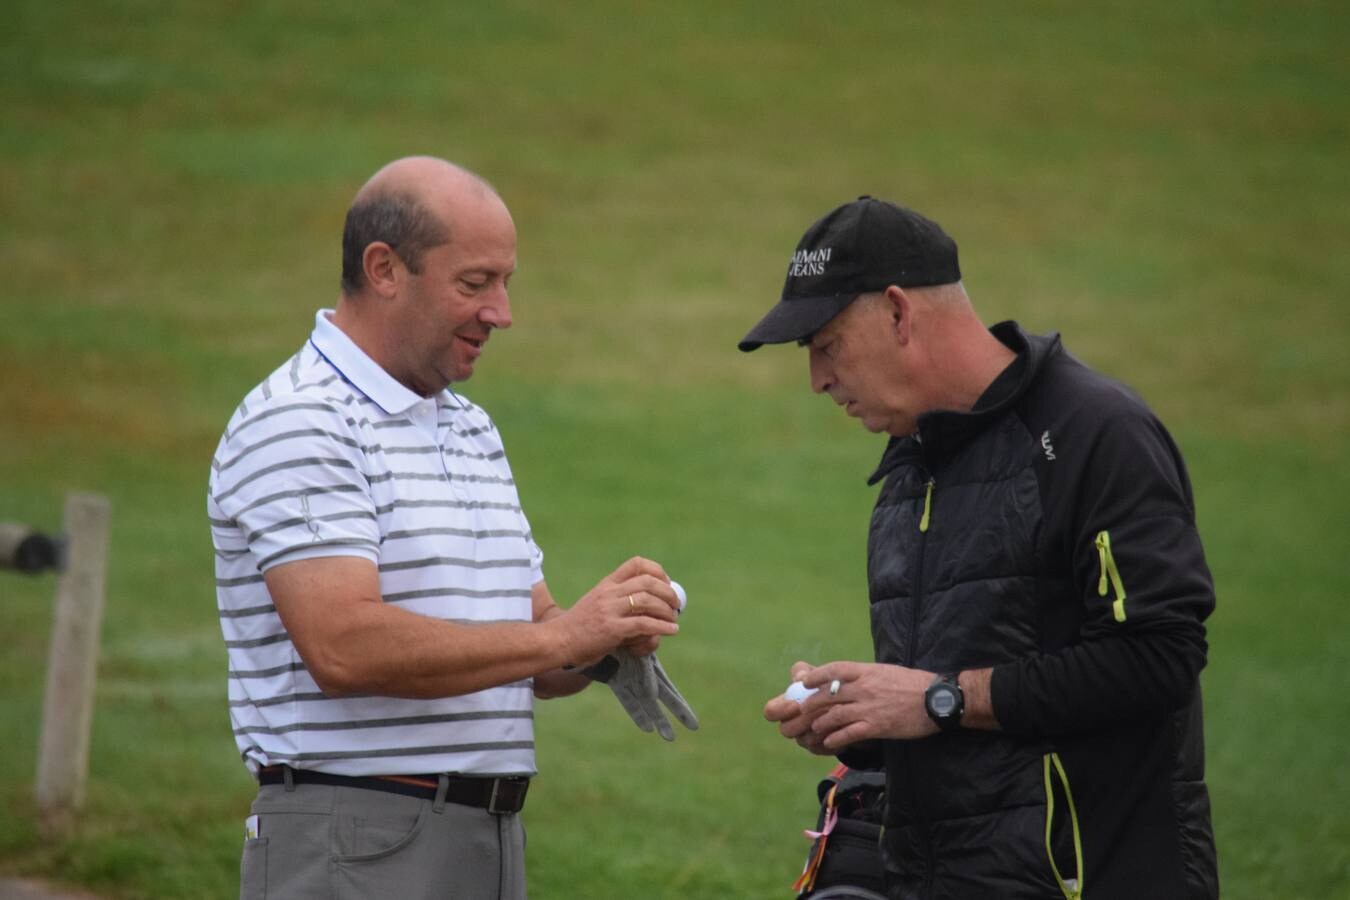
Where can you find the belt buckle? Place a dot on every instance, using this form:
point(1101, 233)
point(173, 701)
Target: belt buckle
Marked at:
point(497, 792)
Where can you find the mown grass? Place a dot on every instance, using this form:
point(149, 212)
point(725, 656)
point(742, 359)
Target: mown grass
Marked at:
point(1164, 183)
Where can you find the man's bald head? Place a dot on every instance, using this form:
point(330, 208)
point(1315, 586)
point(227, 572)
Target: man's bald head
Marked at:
point(409, 205)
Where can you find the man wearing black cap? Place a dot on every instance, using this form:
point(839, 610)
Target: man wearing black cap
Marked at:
point(1038, 589)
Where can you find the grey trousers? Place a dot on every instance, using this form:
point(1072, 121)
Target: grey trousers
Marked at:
point(317, 841)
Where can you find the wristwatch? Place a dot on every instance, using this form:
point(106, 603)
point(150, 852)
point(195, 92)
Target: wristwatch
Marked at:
point(945, 701)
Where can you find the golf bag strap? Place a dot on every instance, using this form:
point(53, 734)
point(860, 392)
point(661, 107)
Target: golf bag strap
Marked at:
point(830, 815)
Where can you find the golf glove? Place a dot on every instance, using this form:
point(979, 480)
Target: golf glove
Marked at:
point(642, 686)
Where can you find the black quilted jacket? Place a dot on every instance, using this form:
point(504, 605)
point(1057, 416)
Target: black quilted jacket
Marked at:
point(1049, 534)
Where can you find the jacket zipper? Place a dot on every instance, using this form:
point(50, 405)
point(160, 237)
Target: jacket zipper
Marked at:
point(921, 820)
point(1110, 572)
point(927, 507)
point(1072, 888)
point(918, 570)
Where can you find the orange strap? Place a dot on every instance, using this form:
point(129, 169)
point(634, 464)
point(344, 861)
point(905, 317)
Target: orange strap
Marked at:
point(807, 880)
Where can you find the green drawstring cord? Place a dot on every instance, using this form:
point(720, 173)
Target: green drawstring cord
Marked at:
point(927, 507)
point(1109, 570)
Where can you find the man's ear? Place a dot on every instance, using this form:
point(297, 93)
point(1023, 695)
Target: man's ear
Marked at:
point(899, 307)
point(383, 268)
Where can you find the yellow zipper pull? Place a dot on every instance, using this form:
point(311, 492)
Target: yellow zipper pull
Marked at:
point(927, 507)
point(1109, 570)
point(1103, 541)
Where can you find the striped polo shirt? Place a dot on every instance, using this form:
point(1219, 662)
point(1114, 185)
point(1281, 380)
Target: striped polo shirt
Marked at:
point(330, 456)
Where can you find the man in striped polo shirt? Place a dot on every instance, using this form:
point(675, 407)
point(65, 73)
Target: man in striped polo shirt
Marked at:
point(381, 596)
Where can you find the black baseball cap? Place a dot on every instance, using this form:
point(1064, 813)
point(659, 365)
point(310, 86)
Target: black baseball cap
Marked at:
point(864, 246)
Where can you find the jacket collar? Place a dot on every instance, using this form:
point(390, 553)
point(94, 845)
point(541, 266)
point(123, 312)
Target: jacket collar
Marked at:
point(941, 432)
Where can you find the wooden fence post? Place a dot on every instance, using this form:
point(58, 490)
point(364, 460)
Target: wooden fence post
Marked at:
point(68, 705)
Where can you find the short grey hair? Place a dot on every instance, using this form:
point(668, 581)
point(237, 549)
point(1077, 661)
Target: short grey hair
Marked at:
point(397, 219)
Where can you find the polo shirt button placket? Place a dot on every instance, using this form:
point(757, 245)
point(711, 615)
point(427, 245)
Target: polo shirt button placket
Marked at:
point(457, 488)
point(445, 432)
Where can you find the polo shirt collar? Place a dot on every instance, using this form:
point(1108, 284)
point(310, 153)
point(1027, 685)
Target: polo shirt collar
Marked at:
point(362, 372)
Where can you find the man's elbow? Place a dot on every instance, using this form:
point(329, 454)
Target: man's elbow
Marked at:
point(336, 675)
point(1176, 670)
point(336, 690)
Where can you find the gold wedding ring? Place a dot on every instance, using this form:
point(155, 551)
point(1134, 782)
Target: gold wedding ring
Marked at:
point(632, 607)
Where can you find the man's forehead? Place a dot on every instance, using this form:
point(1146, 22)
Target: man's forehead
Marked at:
point(488, 257)
point(482, 242)
point(480, 260)
point(478, 267)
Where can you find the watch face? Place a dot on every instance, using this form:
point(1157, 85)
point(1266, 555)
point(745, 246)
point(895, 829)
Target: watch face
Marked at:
point(943, 701)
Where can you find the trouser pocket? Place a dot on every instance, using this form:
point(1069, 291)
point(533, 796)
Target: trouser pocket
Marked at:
point(253, 870)
point(457, 852)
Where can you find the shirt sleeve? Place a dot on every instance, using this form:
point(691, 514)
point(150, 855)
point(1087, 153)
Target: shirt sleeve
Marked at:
point(1139, 572)
point(292, 477)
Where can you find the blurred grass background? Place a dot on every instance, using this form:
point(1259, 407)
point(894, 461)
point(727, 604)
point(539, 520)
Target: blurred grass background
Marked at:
point(1165, 183)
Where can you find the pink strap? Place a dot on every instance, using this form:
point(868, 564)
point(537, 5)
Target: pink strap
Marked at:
point(830, 818)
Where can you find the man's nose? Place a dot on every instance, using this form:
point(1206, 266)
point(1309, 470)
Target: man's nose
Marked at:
point(496, 313)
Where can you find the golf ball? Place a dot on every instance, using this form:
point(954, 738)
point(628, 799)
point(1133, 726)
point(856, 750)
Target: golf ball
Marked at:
point(679, 592)
point(799, 692)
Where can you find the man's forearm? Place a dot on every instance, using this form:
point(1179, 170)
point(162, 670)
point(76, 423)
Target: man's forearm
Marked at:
point(1100, 682)
point(399, 654)
point(353, 642)
point(556, 682)
point(559, 683)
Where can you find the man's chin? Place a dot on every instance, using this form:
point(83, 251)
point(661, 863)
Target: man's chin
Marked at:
point(876, 426)
point(459, 372)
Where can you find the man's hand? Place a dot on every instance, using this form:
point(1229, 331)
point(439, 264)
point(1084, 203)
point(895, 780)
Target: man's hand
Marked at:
point(794, 720)
point(873, 701)
point(642, 686)
point(634, 606)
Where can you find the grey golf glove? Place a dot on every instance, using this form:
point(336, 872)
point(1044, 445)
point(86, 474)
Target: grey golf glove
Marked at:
point(642, 686)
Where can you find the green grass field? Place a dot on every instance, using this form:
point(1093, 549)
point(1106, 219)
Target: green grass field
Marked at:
point(1164, 183)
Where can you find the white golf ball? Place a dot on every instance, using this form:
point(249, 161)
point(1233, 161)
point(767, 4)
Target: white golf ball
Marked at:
point(799, 692)
point(679, 592)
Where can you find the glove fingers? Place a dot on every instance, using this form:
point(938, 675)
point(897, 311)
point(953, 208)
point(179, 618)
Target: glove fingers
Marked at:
point(677, 705)
point(663, 728)
point(650, 691)
point(672, 698)
point(642, 687)
point(631, 702)
point(638, 712)
point(629, 684)
point(647, 668)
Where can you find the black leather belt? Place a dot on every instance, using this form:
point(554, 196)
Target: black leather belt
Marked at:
point(496, 795)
